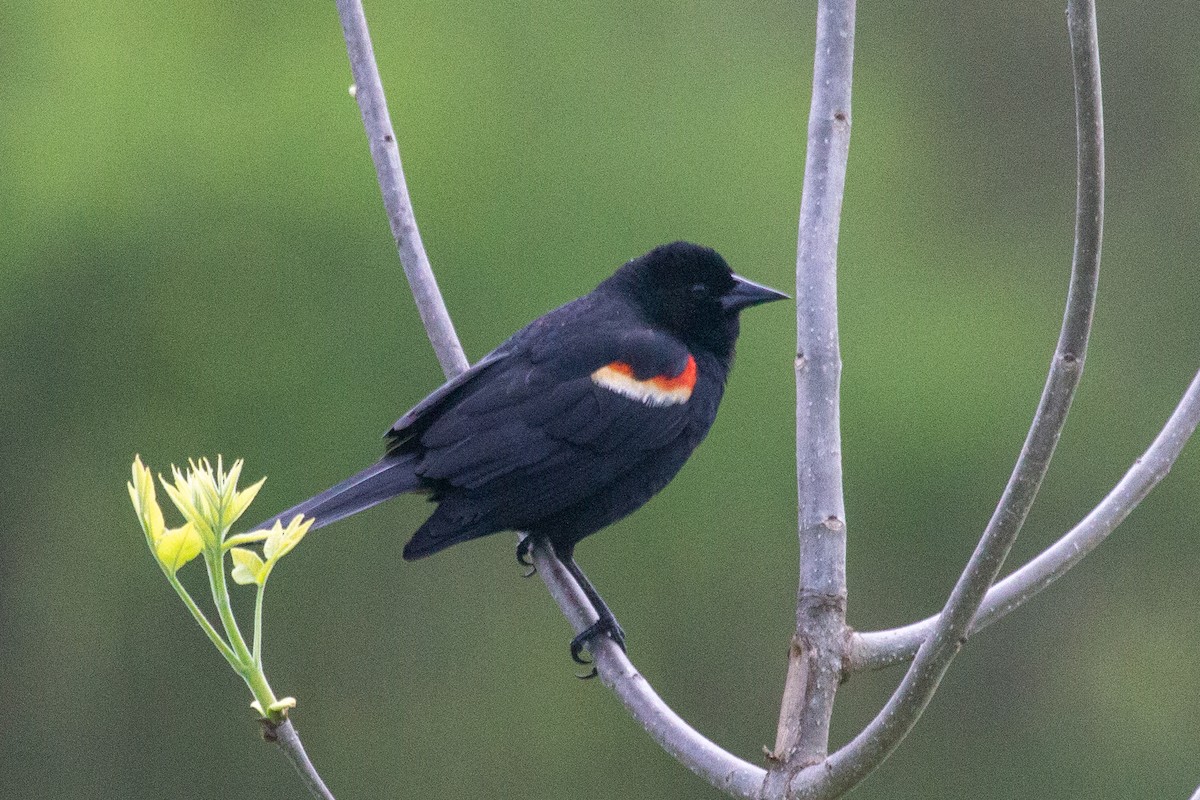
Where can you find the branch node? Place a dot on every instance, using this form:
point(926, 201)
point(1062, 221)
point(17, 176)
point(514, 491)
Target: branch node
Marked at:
point(813, 600)
point(847, 667)
point(865, 752)
point(270, 730)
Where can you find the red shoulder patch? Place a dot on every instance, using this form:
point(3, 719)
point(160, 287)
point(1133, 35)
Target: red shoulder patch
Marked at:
point(659, 390)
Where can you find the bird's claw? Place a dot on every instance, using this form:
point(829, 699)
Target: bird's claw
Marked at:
point(524, 556)
point(606, 626)
point(577, 651)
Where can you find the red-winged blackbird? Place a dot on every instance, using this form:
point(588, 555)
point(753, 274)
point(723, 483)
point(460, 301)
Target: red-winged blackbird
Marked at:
point(574, 422)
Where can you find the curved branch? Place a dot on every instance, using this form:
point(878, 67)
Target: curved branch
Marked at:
point(872, 746)
point(815, 657)
point(686, 745)
point(701, 756)
point(880, 649)
point(368, 91)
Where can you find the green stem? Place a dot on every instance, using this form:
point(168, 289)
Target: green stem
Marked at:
point(215, 563)
point(257, 681)
point(258, 611)
point(202, 620)
point(247, 664)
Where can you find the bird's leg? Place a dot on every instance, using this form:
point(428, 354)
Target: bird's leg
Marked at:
point(605, 625)
point(524, 555)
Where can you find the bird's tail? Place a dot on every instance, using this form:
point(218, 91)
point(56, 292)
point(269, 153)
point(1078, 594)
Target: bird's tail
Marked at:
point(381, 481)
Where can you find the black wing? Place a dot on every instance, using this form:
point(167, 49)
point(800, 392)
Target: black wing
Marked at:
point(419, 416)
point(534, 433)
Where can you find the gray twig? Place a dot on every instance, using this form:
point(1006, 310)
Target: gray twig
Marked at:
point(815, 657)
point(720, 768)
point(698, 754)
point(284, 734)
point(866, 751)
point(880, 649)
point(368, 91)
point(889, 647)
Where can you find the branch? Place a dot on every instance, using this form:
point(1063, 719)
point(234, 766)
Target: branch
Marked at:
point(720, 768)
point(284, 734)
point(717, 766)
point(866, 751)
point(884, 648)
point(815, 657)
point(368, 91)
point(888, 647)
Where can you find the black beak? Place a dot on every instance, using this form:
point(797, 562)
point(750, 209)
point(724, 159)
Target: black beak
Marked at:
point(746, 293)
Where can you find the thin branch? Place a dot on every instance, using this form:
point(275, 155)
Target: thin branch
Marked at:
point(284, 734)
point(815, 657)
point(386, 155)
point(866, 751)
point(698, 754)
point(717, 766)
point(883, 648)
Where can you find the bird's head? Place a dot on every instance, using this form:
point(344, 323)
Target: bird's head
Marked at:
point(689, 290)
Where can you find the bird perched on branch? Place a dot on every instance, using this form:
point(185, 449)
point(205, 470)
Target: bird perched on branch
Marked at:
point(574, 422)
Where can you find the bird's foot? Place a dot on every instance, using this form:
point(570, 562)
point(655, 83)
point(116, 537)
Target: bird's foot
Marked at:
point(605, 626)
point(524, 556)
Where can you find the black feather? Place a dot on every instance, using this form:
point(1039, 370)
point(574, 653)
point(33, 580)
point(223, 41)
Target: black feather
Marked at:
point(381, 481)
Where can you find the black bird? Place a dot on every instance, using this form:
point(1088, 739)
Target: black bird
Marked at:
point(574, 422)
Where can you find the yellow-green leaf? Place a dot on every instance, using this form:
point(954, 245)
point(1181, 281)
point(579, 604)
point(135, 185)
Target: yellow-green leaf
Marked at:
point(176, 547)
point(205, 490)
point(209, 497)
point(227, 482)
point(274, 542)
point(181, 496)
point(282, 704)
point(278, 708)
point(247, 566)
point(145, 504)
point(282, 540)
point(241, 500)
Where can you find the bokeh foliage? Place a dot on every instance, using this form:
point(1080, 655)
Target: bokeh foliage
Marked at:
point(194, 260)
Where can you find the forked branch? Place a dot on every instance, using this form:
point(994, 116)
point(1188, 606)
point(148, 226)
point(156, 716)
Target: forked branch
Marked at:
point(883, 648)
point(1068, 359)
point(815, 655)
point(865, 752)
point(821, 640)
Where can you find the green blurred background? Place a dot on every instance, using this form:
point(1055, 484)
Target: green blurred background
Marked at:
point(194, 260)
